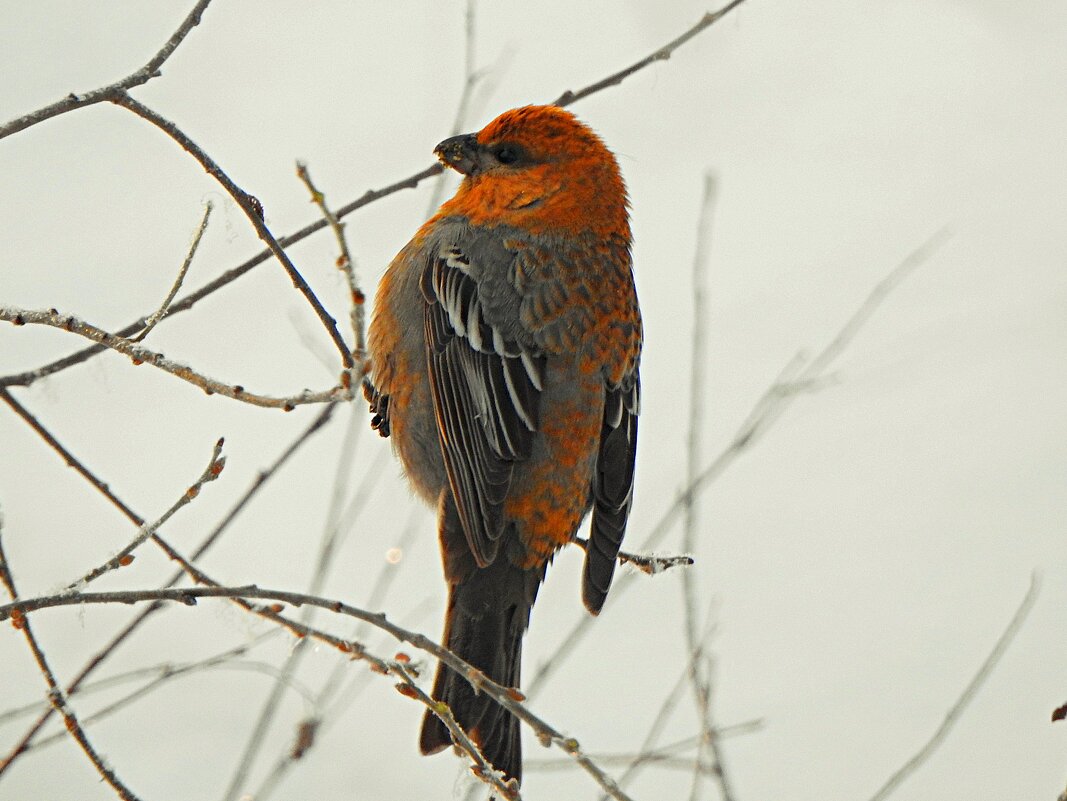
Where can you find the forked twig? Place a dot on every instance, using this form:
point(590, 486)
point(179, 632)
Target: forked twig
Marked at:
point(251, 207)
point(139, 354)
point(482, 768)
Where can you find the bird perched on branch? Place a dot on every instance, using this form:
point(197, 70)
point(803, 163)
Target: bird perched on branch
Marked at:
point(504, 356)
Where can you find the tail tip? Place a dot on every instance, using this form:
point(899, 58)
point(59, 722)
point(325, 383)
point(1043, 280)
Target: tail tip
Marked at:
point(434, 737)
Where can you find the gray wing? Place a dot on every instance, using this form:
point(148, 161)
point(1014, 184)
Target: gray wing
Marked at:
point(486, 384)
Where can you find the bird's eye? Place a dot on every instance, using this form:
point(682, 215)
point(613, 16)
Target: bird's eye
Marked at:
point(508, 154)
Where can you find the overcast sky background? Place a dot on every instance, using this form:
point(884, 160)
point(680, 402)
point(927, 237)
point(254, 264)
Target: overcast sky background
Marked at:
point(863, 557)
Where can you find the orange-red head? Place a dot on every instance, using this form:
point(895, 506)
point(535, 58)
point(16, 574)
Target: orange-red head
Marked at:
point(537, 167)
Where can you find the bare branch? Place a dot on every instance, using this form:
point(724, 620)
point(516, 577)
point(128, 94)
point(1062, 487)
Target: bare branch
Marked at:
point(969, 692)
point(647, 749)
point(331, 709)
point(694, 439)
point(142, 355)
point(142, 76)
point(190, 569)
point(155, 672)
point(163, 675)
point(69, 458)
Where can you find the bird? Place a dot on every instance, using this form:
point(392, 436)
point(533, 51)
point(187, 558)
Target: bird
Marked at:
point(504, 355)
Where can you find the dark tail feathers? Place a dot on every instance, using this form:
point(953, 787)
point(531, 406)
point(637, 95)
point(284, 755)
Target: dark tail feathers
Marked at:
point(488, 613)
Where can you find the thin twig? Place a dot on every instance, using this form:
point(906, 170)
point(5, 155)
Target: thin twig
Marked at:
point(56, 696)
point(159, 671)
point(648, 563)
point(266, 716)
point(697, 360)
point(357, 314)
point(668, 755)
point(694, 438)
point(704, 677)
point(161, 312)
point(260, 480)
point(248, 204)
point(686, 764)
point(104, 653)
point(142, 76)
point(190, 569)
point(507, 697)
point(794, 378)
point(139, 354)
point(969, 692)
point(166, 676)
point(699, 663)
point(662, 54)
point(125, 556)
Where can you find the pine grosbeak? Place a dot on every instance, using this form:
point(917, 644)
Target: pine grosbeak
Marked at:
point(504, 365)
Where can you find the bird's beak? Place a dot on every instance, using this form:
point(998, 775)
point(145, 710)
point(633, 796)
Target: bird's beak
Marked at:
point(460, 153)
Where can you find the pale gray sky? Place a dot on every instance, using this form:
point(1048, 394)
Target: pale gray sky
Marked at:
point(863, 557)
